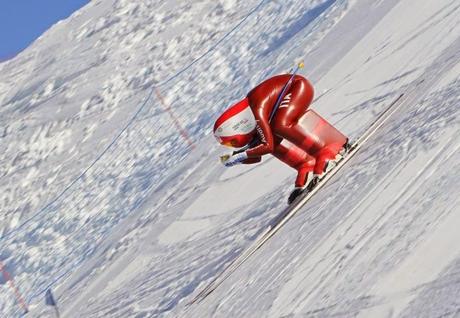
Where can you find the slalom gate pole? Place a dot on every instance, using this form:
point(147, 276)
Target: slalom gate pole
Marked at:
point(288, 83)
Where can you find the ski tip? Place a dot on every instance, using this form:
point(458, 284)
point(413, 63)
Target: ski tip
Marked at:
point(301, 64)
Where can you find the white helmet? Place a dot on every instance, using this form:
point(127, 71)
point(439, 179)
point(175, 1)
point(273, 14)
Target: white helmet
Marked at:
point(236, 126)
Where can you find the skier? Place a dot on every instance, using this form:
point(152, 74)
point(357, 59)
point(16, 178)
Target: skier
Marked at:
point(293, 133)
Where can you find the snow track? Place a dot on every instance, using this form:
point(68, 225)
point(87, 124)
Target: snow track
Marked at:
point(152, 222)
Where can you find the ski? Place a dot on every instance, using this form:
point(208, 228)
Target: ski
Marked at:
point(277, 223)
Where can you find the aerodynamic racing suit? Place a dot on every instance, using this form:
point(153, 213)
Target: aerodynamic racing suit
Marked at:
point(296, 135)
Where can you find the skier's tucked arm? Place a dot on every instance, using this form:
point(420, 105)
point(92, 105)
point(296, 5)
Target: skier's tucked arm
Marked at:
point(264, 132)
point(245, 159)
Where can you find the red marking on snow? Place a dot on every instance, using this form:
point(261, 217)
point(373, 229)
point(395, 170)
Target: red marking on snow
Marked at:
point(13, 287)
point(176, 122)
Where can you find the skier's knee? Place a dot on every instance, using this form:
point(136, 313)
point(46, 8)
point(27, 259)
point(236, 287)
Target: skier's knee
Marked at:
point(281, 127)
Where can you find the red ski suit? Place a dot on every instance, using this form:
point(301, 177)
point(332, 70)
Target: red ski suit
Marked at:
point(297, 136)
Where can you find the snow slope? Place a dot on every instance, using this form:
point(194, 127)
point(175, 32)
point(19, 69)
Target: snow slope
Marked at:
point(103, 200)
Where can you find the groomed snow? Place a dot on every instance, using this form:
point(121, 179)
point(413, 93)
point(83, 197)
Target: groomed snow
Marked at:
point(104, 201)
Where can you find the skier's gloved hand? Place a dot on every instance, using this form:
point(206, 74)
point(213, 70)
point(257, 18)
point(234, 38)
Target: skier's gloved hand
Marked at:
point(231, 160)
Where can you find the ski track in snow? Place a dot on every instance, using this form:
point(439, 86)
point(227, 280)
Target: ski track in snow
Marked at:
point(153, 221)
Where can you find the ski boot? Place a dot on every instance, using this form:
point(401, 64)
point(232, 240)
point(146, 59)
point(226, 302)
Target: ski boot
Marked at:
point(295, 194)
point(301, 190)
point(298, 190)
point(346, 148)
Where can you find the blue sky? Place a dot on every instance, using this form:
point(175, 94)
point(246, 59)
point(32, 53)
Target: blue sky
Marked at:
point(22, 21)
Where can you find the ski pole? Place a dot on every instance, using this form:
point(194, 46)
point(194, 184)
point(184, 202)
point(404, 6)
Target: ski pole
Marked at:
point(288, 83)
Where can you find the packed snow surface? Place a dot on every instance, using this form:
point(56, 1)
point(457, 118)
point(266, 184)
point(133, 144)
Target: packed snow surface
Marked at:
point(122, 213)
